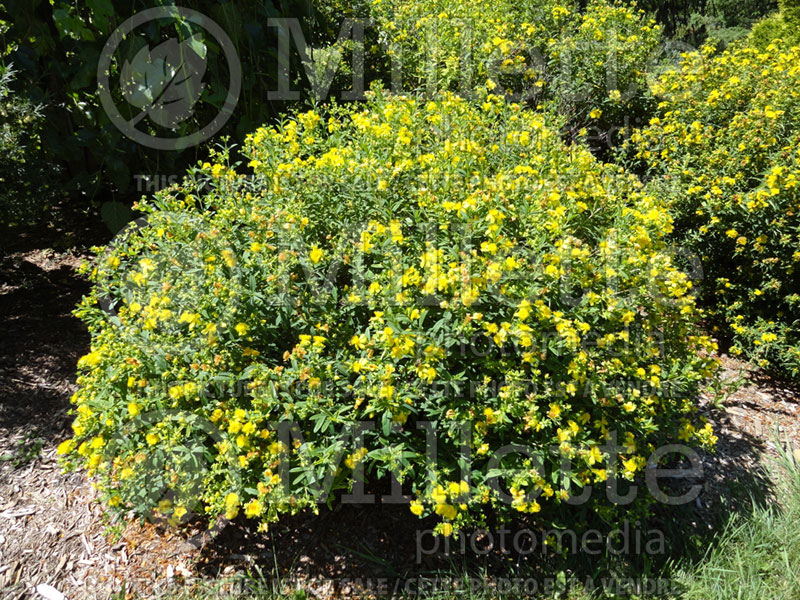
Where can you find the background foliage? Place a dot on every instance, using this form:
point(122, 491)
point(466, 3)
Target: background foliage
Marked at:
point(574, 54)
point(27, 179)
point(590, 64)
point(55, 47)
point(697, 21)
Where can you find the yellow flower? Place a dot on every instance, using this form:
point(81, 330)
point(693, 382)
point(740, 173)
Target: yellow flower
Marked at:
point(448, 511)
point(151, 438)
point(524, 310)
point(447, 529)
point(231, 505)
point(65, 446)
point(416, 507)
point(438, 495)
point(241, 328)
point(91, 359)
point(253, 508)
point(133, 409)
point(190, 318)
point(315, 255)
point(555, 411)
point(229, 259)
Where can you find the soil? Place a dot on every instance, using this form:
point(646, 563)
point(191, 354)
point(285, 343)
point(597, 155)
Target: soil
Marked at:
point(54, 532)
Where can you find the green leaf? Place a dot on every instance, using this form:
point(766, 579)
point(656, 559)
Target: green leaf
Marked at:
point(115, 215)
point(102, 12)
point(165, 82)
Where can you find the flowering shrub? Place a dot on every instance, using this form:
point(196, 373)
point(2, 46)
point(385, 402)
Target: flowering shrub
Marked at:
point(392, 272)
point(591, 63)
point(783, 24)
point(726, 150)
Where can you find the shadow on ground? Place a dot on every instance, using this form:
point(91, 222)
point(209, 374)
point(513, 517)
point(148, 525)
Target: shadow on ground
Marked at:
point(41, 340)
point(385, 550)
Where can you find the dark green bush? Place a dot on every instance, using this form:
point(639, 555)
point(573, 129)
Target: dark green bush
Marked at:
point(55, 46)
point(28, 182)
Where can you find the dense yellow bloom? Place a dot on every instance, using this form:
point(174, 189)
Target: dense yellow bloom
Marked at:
point(315, 254)
point(253, 508)
point(432, 298)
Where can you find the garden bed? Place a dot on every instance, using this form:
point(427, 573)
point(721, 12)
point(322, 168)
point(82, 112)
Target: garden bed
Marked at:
point(54, 532)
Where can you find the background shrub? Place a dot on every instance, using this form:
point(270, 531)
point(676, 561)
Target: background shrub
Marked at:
point(697, 21)
point(725, 151)
point(783, 25)
point(589, 62)
point(590, 59)
point(400, 262)
point(26, 179)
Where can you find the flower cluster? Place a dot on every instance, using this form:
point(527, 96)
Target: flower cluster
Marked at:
point(590, 63)
point(724, 150)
